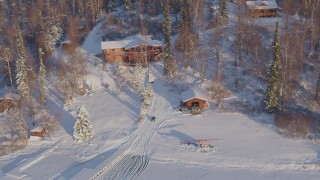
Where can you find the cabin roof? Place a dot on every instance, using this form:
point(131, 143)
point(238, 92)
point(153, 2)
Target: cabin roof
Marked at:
point(271, 4)
point(193, 93)
point(130, 42)
point(37, 129)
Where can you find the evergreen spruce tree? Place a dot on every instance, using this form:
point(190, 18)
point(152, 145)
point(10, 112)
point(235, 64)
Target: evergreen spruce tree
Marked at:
point(42, 79)
point(119, 69)
point(223, 11)
point(137, 78)
point(272, 101)
point(21, 69)
point(186, 16)
point(127, 5)
point(83, 130)
point(169, 68)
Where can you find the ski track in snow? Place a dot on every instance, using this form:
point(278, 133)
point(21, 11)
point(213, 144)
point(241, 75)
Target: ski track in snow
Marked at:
point(43, 155)
point(131, 163)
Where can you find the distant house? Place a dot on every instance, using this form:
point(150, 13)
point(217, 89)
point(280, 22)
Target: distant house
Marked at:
point(194, 99)
point(7, 104)
point(132, 49)
point(262, 8)
point(38, 131)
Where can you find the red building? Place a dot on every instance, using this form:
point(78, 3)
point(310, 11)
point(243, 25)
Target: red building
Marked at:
point(38, 131)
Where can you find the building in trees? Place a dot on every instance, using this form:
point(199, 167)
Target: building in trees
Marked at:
point(194, 99)
point(7, 104)
point(38, 131)
point(137, 48)
point(262, 8)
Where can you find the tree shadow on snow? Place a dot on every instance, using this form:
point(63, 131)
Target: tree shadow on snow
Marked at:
point(20, 160)
point(177, 134)
point(93, 163)
point(67, 120)
point(135, 108)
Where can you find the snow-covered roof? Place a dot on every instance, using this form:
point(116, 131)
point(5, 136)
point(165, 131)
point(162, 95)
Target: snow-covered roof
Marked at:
point(193, 93)
point(37, 129)
point(114, 44)
point(130, 42)
point(271, 4)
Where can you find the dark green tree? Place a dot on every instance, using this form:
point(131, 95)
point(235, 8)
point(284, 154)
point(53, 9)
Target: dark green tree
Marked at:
point(127, 5)
point(223, 11)
point(186, 16)
point(273, 94)
point(169, 68)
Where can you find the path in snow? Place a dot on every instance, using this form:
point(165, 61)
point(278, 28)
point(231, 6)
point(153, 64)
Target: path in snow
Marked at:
point(134, 161)
point(18, 172)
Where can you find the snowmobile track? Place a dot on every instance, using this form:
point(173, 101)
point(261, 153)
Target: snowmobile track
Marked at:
point(131, 163)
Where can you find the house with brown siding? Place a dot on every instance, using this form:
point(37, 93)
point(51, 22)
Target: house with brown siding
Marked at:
point(261, 8)
point(132, 49)
point(38, 131)
point(194, 99)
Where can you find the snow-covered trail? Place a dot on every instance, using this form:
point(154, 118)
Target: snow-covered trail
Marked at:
point(134, 160)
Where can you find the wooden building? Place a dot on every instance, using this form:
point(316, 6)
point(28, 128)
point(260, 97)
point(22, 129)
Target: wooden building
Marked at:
point(132, 49)
point(38, 131)
point(262, 8)
point(7, 104)
point(194, 99)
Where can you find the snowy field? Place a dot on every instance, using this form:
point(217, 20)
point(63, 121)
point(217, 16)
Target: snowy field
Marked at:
point(244, 147)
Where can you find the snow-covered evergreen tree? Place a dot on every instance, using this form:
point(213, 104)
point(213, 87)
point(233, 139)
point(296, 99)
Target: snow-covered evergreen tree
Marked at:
point(169, 68)
point(119, 69)
point(83, 130)
point(111, 4)
point(137, 78)
point(186, 23)
point(143, 111)
point(21, 70)
point(52, 36)
point(272, 100)
point(127, 5)
point(223, 11)
point(42, 79)
point(146, 94)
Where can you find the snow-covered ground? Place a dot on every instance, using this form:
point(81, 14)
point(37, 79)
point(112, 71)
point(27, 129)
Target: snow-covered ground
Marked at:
point(244, 147)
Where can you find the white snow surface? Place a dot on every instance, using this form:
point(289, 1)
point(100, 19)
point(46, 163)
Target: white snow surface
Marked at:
point(245, 147)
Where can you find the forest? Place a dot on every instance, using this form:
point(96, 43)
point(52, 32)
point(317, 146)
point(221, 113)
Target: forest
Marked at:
point(273, 67)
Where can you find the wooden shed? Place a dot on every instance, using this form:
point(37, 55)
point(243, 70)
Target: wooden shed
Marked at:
point(132, 49)
point(194, 98)
point(262, 8)
point(7, 104)
point(38, 131)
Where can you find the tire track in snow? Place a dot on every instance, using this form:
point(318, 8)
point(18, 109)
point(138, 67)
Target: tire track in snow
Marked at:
point(131, 163)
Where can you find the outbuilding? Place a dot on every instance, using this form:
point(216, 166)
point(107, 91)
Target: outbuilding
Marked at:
point(194, 99)
point(7, 104)
point(38, 131)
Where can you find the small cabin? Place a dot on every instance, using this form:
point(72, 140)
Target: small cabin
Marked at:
point(195, 100)
point(38, 131)
point(132, 49)
point(262, 8)
point(7, 104)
